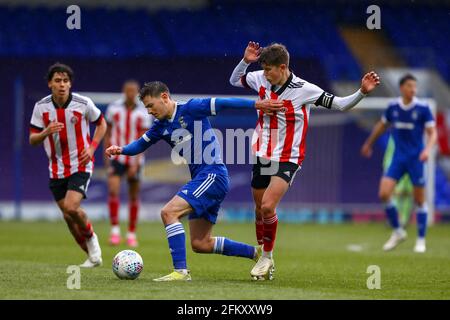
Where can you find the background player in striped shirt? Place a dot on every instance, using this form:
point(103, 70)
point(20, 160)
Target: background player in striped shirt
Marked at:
point(279, 142)
point(61, 121)
point(127, 120)
point(409, 119)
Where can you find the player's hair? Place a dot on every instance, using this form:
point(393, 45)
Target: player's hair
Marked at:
point(131, 81)
point(405, 78)
point(274, 55)
point(59, 68)
point(153, 89)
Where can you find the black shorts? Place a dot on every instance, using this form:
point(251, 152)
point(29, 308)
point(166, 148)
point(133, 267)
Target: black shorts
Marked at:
point(264, 169)
point(119, 169)
point(77, 182)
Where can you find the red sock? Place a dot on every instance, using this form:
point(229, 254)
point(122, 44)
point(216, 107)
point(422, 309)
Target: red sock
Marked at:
point(134, 209)
point(82, 243)
point(270, 231)
point(87, 232)
point(259, 225)
point(113, 203)
point(80, 239)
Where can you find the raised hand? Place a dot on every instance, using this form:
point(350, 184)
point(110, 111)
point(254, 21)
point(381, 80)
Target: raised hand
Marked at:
point(252, 52)
point(369, 82)
point(113, 151)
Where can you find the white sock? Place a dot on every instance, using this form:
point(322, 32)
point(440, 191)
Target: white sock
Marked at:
point(399, 230)
point(131, 235)
point(183, 271)
point(115, 230)
point(267, 254)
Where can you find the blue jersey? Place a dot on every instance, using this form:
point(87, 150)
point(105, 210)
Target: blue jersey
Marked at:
point(190, 134)
point(408, 124)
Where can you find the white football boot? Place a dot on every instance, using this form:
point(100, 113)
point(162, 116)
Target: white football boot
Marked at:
point(94, 253)
point(397, 237)
point(264, 269)
point(420, 246)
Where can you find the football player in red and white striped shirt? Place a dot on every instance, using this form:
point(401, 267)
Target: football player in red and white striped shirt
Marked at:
point(279, 141)
point(61, 121)
point(127, 121)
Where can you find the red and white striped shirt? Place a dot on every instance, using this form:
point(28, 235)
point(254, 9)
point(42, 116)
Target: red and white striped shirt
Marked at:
point(126, 126)
point(64, 148)
point(282, 137)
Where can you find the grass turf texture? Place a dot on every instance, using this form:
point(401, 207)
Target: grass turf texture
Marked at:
point(313, 262)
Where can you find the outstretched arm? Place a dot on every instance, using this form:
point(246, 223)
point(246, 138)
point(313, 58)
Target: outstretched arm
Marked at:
point(268, 106)
point(251, 55)
point(378, 130)
point(368, 83)
point(134, 148)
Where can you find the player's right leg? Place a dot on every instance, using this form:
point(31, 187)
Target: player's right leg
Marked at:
point(387, 186)
point(114, 179)
point(259, 221)
point(265, 266)
point(77, 186)
point(72, 207)
point(171, 214)
point(59, 189)
point(73, 227)
point(133, 207)
point(416, 171)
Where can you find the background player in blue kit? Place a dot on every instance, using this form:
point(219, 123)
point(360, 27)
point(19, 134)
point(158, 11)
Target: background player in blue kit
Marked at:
point(409, 119)
point(183, 127)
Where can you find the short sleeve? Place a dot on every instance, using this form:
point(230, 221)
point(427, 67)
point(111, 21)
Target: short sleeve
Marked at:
point(201, 108)
point(313, 94)
point(93, 113)
point(428, 118)
point(109, 114)
point(36, 122)
point(386, 117)
point(250, 80)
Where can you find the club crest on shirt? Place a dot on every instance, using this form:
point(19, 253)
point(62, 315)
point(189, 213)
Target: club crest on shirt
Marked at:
point(414, 115)
point(395, 114)
point(182, 123)
point(73, 120)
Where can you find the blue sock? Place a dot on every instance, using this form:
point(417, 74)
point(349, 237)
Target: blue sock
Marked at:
point(421, 220)
point(177, 244)
point(392, 215)
point(229, 247)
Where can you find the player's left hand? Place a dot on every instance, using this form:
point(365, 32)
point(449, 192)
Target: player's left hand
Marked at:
point(369, 82)
point(424, 155)
point(86, 156)
point(269, 106)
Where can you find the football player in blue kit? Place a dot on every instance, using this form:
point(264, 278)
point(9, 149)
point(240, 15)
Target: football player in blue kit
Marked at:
point(186, 128)
point(409, 118)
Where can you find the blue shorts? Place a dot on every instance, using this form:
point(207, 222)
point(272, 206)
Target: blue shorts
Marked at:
point(205, 194)
point(413, 167)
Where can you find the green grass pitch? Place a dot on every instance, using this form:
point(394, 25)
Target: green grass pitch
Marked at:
point(313, 262)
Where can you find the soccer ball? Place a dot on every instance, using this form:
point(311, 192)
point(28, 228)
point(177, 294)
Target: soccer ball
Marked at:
point(127, 264)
